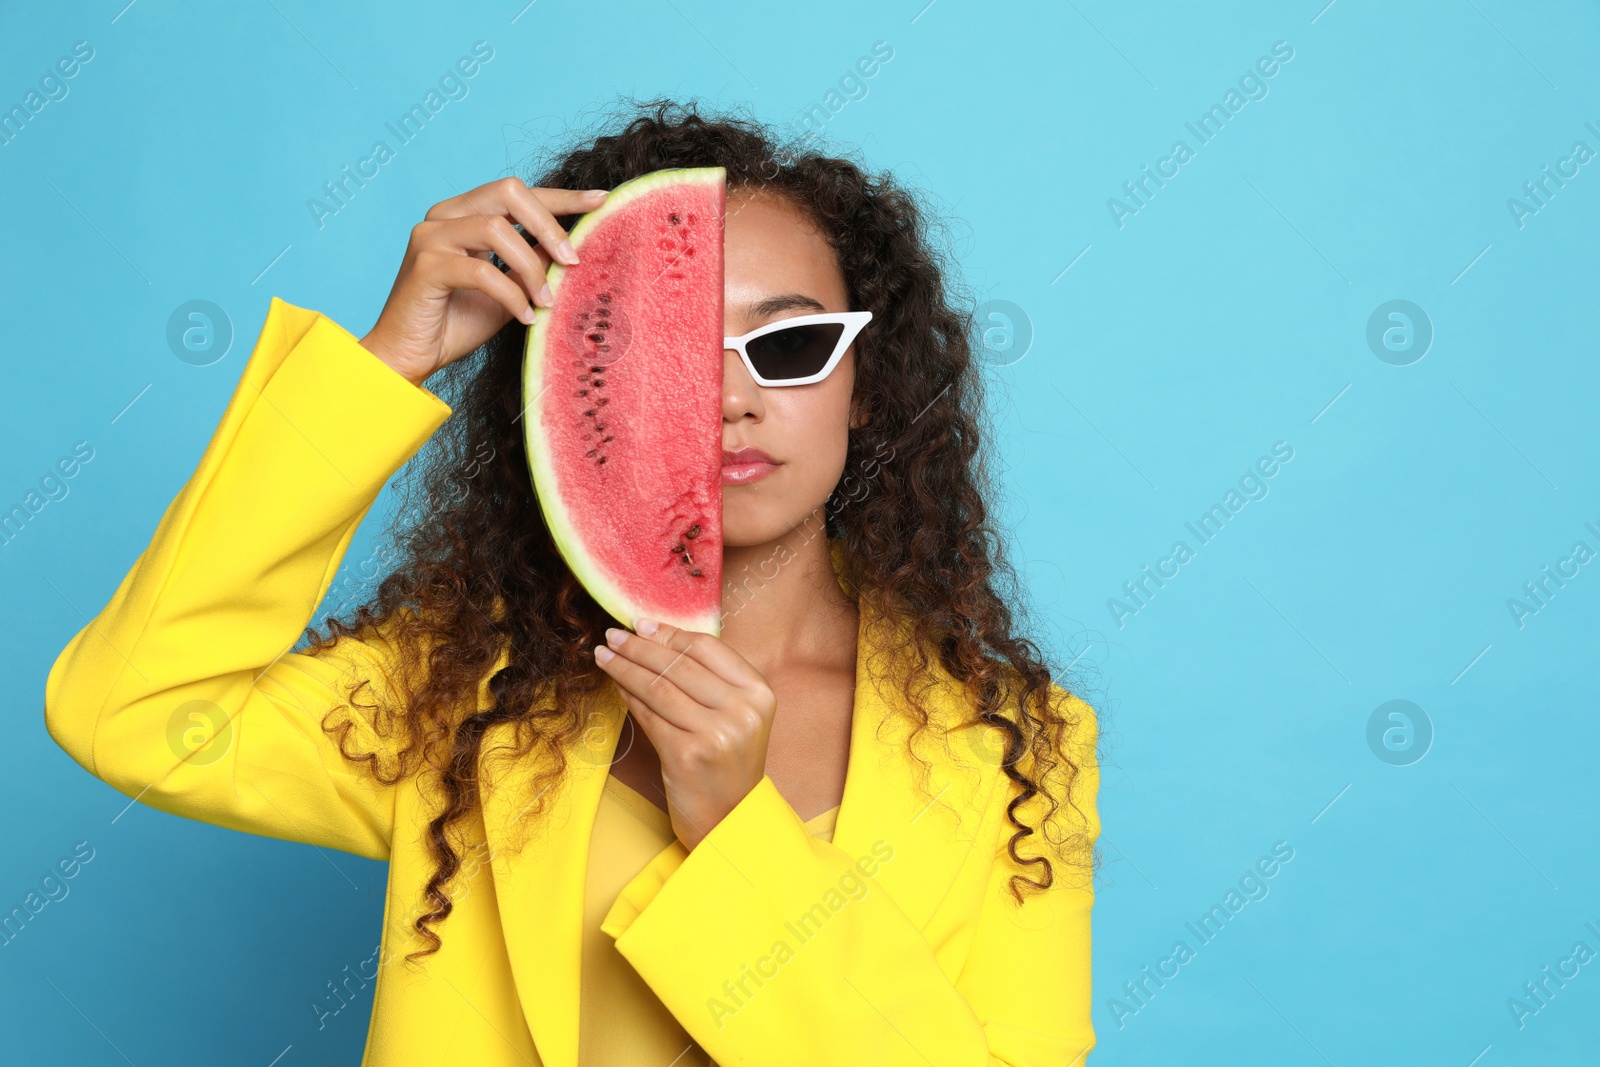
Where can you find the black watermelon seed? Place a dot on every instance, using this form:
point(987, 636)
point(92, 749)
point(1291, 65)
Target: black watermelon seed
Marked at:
point(599, 381)
point(589, 412)
point(596, 370)
point(602, 402)
point(679, 548)
point(695, 571)
point(604, 299)
point(673, 218)
point(583, 392)
point(599, 426)
point(590, 452)
point(694, 531)
point(602, 459)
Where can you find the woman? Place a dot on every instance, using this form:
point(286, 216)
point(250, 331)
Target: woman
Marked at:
point(856, 828)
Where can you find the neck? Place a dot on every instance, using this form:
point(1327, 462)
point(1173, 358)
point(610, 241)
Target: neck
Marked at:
point(781, 601)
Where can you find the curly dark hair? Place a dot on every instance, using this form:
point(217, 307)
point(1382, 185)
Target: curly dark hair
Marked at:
point(479, 579)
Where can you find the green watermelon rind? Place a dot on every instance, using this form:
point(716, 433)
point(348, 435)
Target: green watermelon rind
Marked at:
point(607, 593)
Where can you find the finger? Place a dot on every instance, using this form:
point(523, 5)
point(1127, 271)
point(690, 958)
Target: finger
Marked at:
point(539, 253)
point(495, 198)
point(699, 682)
point(448, 271)
point(663, 734)
point(534, 209)
point(714, 654)
point(439, 213)
point(479, 235)
point(657, 692)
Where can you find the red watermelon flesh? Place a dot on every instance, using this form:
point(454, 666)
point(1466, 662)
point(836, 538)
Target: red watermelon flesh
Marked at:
point(622, 395)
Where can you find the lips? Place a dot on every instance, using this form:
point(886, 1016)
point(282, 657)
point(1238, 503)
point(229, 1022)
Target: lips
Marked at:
point(746, 455)
point(745, 465)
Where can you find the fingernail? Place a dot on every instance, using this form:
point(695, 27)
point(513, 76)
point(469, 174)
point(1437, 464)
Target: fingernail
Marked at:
point(600, 192)
point(545, 296)
point(613, 636)
point(565, 248)
point(646, 627)
point(603, 654)
point(526, 315)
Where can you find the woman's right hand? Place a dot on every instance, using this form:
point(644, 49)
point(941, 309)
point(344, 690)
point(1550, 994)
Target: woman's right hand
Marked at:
point(448, 298)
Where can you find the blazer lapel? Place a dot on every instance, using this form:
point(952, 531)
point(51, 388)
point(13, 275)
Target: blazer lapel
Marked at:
point(931, 835)
point(540, 891)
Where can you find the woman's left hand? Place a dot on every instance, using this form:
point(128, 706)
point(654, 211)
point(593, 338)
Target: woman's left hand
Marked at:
point(706, 710)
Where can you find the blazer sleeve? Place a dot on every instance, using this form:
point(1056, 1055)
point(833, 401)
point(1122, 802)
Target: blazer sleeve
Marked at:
point(871, 990)
point(181, 692)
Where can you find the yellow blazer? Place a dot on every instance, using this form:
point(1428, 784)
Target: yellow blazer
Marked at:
point(895, 943)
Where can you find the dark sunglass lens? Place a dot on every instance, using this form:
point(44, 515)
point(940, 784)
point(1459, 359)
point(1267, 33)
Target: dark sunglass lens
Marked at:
point(795, 352)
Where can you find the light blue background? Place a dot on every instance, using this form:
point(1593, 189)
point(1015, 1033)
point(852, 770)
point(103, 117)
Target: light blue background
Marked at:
point(1229, 313)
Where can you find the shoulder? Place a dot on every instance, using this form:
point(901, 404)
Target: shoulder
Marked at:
point(1057, 774)
point(1082, 732)
point(382, 664)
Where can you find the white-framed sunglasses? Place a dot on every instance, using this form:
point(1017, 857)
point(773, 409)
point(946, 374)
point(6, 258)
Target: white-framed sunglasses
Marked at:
point(799, 350)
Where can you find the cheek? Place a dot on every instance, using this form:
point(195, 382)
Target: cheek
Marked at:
point(817, 434)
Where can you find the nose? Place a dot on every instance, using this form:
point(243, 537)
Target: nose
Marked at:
point(741, 396)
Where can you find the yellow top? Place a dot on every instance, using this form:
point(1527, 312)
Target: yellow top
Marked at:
point(620, 1019)
point(180, 694)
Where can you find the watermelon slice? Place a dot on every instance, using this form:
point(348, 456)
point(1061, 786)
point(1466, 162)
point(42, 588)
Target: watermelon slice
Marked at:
point(622, 400)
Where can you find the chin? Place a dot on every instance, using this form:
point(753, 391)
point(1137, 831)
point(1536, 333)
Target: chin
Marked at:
point(747, 527)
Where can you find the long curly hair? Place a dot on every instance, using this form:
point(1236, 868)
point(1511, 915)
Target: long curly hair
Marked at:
point(477, 578)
